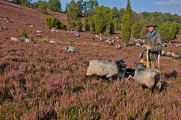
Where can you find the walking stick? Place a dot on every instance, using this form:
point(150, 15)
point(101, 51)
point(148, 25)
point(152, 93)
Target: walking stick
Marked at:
point(159, 60)
point(147, 59)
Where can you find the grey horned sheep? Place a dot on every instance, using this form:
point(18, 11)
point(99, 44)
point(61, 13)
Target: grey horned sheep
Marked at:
point(147, 77)
point(106, 68)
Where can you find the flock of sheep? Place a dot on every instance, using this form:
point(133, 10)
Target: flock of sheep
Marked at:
point(146, 77)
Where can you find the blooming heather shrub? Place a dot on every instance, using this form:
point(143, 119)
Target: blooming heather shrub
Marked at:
point(43, 78)
point(80, 112)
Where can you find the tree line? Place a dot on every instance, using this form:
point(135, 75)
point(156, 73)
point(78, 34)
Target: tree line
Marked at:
point(90, 16)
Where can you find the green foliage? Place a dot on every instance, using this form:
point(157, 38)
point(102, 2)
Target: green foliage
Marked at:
point(40, 40)
point(116, 24)
point(85, 24)
point(80, 112)
point(168, 30)
point(54, 5)
point(136, 29)
point(53, 22)
point(179, 29)
point(24, 34)
point(23, 2)
point(161, 17)
point(43, 6)
point(103, 20)
point(91, 24)
point(73, 19)
point(126, 24)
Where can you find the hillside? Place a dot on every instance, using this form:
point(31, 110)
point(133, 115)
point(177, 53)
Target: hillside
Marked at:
point(44, 81)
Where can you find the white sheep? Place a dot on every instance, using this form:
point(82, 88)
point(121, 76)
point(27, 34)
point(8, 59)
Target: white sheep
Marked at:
point(71, 49)
point(175, 56)
point(148, 77)
point(106, 68)
point(163, 53)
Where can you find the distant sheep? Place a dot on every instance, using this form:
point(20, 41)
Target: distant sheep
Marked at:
point(175, 56)
point(148, 77)
point(109, 42)
point(163, 53)
point(169, 54)
point(52, 41)
point(14, 39)
point(118, 46)
point(106, 68)
point(71, 49)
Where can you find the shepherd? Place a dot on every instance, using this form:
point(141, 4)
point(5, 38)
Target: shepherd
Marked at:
point(150, 55)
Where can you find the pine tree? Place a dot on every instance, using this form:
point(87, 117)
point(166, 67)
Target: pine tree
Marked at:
point(126, 24)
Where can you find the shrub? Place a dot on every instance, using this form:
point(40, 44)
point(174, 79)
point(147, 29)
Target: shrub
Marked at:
point(43, 6)
point(168, 30)
point(54, 5)
point(136, 30)
point(53, 22)
point(103, 20)
point(116, 24)
point(24, 34)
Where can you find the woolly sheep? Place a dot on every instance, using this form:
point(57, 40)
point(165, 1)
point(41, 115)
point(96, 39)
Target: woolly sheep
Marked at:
point(169, 54)
point(147, 77)
point(71, 49)
point(14, 39)
point(163, 53)
point(175, 56)
point(106, 68)
point(52, 41)
point(118, 46)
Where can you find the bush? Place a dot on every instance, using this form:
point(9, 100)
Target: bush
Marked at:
point(54, 5)
point(168, 30)
point(53, 22)
point(43, 6)
point(116, 24)
point(136, 30)
point(73, 19)
point(24, 34)
point(103, 20)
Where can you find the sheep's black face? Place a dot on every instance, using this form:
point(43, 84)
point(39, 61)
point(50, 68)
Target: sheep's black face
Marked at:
point(121, 67)
point(120, 64)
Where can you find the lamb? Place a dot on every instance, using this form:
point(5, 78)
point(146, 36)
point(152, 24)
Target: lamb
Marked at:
point(106, 68)
point(147, 77)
